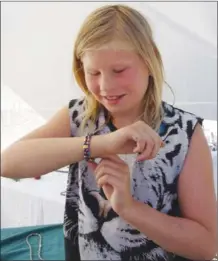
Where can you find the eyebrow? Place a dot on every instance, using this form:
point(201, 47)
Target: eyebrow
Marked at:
point(114, 66)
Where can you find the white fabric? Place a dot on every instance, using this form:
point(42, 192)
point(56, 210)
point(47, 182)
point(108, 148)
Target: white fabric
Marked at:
point(30, 202)
point(190, 71)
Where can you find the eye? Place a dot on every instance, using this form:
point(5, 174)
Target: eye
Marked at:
point(93, 73)
point(120, 71)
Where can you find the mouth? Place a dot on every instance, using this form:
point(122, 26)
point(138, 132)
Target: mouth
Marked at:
point(114, 98)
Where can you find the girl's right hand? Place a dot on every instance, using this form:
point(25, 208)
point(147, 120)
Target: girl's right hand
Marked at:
point(135, 138)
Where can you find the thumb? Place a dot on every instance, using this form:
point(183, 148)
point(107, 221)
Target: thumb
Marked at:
point(92, 165)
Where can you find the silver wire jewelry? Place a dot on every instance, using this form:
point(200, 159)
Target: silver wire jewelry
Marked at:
point(30, 248)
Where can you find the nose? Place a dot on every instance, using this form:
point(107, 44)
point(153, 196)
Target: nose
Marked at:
point(107, 84)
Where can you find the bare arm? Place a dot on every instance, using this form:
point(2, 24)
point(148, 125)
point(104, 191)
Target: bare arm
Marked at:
point(47, 148)
point(194, 235)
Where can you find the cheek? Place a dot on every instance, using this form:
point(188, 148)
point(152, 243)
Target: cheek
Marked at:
point(92, 85)
point(126, 81)
point(133, 81)
point(137, 87)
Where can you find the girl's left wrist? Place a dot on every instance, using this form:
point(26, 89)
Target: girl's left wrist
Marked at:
point(128, 209)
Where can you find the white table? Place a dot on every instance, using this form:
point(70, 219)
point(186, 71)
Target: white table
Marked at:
point(30, 202)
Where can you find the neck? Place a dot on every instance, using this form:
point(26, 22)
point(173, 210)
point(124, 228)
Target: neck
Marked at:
point(120, 121)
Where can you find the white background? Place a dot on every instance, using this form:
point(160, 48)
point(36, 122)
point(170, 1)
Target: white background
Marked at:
point(37, 46)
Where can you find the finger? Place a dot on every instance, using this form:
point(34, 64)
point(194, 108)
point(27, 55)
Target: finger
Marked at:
point(147, 150)
point(158, 144)
point(154, 151)
point(141, 139)
point(118, 165)
point(92, 166)
point(96, 162)
point(157, 139)
point(145, 144)
point(113, 158)
point(162, 144)
point(116, 172)
point(111, 180)
point(107, 207)
point(140, 145)
point(151, 150)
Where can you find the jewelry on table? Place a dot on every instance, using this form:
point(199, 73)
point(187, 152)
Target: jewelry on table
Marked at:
point(30, 248)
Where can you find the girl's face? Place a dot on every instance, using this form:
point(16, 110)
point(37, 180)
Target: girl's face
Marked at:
point(117, 78)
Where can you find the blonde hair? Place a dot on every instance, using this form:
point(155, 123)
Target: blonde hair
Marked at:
point(114, 23)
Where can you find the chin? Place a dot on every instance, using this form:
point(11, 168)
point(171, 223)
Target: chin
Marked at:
point(117, 110)
point(125, 106)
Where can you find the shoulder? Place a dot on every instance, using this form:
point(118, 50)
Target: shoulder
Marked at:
point(77, 103)
point(80, 123)
point(173, 112)
point(176, 117)
point(76, 109)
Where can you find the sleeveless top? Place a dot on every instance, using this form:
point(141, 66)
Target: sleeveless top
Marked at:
point(95, 236)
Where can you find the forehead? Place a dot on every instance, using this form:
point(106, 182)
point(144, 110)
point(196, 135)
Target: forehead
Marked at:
point(114, 53)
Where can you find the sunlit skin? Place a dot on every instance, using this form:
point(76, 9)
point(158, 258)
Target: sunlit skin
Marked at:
point(117, 72)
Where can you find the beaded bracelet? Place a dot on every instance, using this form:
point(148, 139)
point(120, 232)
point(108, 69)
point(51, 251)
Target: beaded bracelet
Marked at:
point(86, 148)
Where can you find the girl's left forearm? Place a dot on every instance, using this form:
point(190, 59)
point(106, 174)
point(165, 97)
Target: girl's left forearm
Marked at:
point(180, 236)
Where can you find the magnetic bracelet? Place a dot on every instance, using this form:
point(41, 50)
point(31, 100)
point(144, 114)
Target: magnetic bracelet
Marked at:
point(86, 148)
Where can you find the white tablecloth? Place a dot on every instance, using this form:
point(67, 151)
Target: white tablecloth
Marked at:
point(30, 202)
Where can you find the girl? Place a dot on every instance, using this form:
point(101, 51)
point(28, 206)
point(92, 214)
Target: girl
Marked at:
point(163, 207)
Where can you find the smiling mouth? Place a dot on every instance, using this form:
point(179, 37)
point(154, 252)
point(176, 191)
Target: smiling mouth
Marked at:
point(114, 98)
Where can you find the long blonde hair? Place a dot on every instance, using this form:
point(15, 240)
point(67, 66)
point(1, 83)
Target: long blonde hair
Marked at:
point(121, 22)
